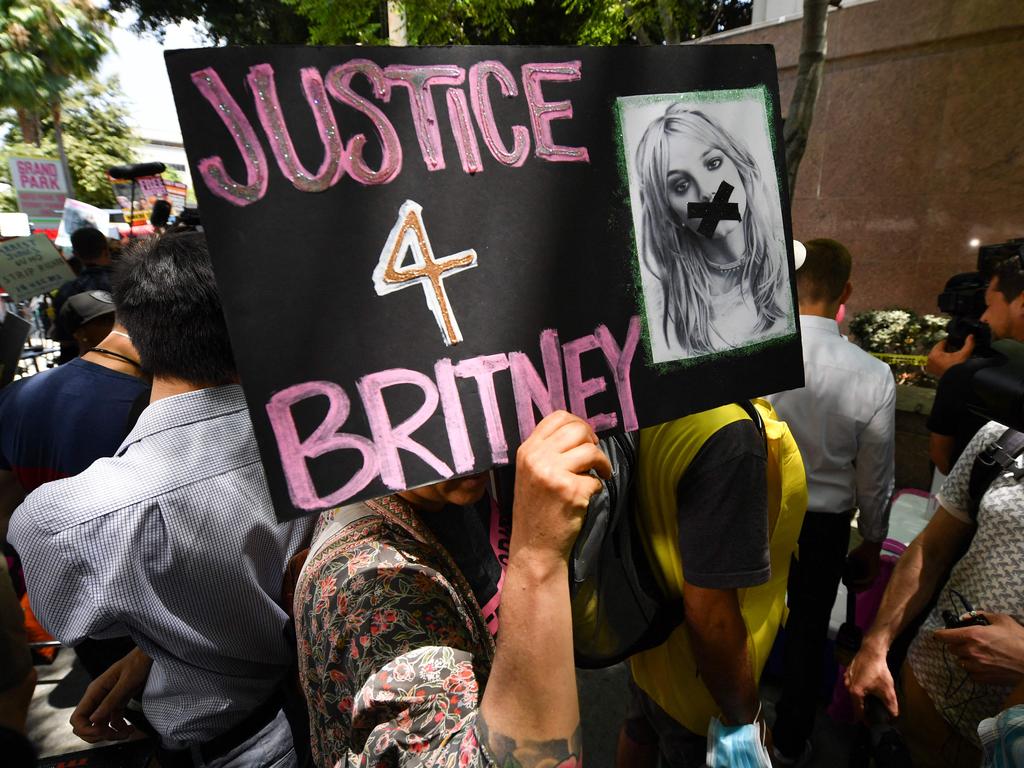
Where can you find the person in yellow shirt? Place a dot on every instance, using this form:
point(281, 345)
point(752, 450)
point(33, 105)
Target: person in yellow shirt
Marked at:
point(720, 505)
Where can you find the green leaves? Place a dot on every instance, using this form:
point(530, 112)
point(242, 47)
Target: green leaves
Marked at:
point(46, 45)
point(97, 134)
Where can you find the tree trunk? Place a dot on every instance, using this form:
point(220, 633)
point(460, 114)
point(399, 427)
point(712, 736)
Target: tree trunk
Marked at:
point(28, 124)
point(398, 23)
point(813, 46)
point(58, 134)
point(669, 29)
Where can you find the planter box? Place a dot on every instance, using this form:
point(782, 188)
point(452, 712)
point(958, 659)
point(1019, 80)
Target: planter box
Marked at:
point(913, 468)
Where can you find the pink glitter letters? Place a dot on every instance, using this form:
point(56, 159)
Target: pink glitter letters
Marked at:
point(339, 85)
point(418, 80)
point(484, 112)
point(543, 112)
point(261, 80)
point(212, 168)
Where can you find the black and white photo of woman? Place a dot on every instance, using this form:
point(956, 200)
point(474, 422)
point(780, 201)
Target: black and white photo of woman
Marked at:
point(717, 281)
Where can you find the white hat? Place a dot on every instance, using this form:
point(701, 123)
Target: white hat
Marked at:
point(799, 254)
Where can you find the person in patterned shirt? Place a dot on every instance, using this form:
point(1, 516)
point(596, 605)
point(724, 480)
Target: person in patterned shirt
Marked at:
point(396, 658)
point(953, 678)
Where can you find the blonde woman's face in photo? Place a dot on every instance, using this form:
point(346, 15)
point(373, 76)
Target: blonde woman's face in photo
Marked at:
point(695, 172)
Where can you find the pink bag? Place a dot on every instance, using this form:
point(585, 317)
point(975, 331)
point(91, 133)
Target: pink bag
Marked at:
point(868, 602)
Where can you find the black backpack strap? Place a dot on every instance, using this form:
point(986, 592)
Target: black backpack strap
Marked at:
point(755, 416)
point(992, 462)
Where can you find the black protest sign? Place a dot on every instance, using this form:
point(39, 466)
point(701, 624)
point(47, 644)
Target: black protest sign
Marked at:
point(14, 331)
point(423, 251)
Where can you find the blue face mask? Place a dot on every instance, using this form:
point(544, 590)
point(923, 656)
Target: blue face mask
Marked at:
point(736, 746)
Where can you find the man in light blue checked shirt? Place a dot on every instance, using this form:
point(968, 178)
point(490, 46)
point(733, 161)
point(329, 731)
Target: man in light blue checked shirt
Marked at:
point(173, 540)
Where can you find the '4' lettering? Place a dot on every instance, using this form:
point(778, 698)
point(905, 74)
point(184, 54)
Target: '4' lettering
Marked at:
point(409, 234)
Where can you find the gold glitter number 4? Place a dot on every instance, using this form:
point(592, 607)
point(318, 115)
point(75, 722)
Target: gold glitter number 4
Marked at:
point(409, 234)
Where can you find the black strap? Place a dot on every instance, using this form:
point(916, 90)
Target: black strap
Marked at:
point(118, 355)
point(755, 416)
point(991, 463)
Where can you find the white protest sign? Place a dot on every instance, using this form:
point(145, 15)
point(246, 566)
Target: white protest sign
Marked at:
point(77, 215)
point(30, 266)
point(14, 225)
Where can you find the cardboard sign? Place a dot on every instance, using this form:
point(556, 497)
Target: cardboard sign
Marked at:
point(423, 251)
point(147, 190)
point(77, 215)
point(39, 185)
point(30, 266)
point(177, 193)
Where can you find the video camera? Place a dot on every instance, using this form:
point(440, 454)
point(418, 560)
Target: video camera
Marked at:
point(999, 385)
point(964, 296)
point(964, 300)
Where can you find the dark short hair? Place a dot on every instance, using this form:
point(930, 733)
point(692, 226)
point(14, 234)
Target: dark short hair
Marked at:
point(1011, 278)
point(825, 271)
point(167, 298)
point(89, 244)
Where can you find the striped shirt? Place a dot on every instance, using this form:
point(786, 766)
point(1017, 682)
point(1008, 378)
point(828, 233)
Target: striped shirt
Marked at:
point(173, 540)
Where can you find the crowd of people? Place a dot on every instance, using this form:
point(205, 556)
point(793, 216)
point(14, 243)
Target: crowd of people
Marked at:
point(392, 632)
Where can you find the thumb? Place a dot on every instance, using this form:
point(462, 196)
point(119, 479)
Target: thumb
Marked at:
point(891, 702)
point(969, 344)
point(112, 703)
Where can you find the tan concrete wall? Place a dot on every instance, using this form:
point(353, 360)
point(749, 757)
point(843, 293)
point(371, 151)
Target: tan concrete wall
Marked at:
point(918, 139)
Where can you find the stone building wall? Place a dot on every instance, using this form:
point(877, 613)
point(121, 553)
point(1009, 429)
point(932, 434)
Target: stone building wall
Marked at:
point(918, 139)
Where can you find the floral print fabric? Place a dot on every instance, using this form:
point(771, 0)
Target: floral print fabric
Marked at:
point(393, 650)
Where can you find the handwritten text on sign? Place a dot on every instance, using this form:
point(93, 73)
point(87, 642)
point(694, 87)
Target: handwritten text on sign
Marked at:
point(380, 453)
point(341, 158)
point(491, 182)
point(30, 266)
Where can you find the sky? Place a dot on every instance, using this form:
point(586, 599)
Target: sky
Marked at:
point(138, 62)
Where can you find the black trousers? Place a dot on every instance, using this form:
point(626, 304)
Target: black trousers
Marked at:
point(813, 581)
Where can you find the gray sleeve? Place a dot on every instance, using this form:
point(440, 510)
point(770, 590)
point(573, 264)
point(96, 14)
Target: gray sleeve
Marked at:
point(955, 496)
point(723, 511)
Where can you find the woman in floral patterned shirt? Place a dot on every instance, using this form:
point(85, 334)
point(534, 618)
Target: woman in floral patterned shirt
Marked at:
point(395, 656)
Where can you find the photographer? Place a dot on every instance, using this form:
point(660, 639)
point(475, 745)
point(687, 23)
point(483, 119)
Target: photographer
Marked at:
point(953, 678)
point(951, 423)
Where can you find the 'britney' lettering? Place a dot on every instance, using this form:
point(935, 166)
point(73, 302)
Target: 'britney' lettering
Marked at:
point(533, 391)
point(420, 82)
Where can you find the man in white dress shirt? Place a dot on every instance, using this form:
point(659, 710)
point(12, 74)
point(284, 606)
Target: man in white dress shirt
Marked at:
point(844, 422)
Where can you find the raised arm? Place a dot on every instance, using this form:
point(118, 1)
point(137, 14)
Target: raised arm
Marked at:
point(530, 711)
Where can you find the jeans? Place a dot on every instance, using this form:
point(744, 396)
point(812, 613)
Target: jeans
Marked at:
point(270, 747)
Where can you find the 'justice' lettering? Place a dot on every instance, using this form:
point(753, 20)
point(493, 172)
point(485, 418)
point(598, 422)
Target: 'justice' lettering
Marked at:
point(423, 83)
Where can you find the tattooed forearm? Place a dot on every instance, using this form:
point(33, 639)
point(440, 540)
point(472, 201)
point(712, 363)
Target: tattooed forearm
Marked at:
point(507, 752)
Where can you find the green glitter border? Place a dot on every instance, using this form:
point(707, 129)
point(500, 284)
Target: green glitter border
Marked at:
point(764, 95)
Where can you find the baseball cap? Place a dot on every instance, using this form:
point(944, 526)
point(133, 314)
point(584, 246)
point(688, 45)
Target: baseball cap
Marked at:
point(83, 307)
